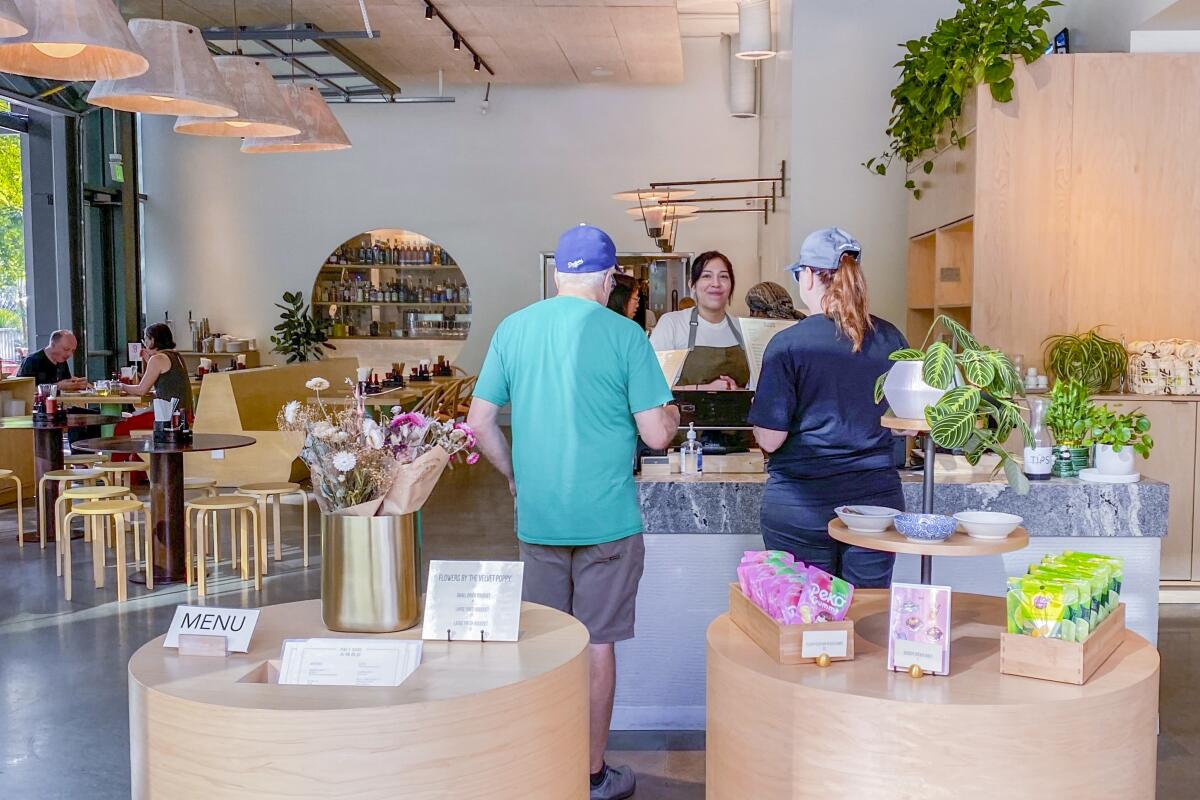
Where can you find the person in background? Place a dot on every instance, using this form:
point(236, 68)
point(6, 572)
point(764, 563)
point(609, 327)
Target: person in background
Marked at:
point(625, 295)
point(771, 301)
point(583, 383)
point(166, 373)
point(716, 353)
point(816, 415)
point(52, 364)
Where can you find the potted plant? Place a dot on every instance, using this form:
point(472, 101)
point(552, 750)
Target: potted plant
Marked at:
point(976, 46)
point(1117, 438)
point(1068, 420)
point(370, 478)
point(300, 335)
point(974, 410)
point(1088, 358)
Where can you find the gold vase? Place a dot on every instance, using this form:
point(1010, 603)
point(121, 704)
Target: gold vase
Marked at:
point(369, 569)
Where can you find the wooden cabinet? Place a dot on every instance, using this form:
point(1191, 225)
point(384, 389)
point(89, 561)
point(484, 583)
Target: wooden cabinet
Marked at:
point(1174, 426)
point(940, 270)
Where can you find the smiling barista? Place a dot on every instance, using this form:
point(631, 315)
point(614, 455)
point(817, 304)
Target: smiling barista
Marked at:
point(815, 413)
point(716, 353)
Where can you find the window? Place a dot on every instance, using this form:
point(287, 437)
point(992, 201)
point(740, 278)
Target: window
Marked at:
point(14, 318)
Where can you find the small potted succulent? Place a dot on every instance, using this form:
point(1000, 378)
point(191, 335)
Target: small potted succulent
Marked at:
point(1118, 437)
point(969, 404)
point(1068, 418)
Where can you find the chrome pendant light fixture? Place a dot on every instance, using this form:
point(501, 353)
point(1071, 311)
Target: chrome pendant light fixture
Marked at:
point(182, 79)
point(261, 110)
point(72, 40)
point(754, 30)
point(319, 129)
point(11, 21)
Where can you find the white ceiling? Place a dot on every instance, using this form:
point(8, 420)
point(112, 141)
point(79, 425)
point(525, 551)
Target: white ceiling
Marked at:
point(524, 41)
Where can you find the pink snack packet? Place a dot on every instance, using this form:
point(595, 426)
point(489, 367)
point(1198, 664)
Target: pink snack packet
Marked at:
point(826, 598)
point(762, 556)
point(783, 591)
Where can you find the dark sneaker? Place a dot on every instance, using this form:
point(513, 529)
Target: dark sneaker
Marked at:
point(619, 783)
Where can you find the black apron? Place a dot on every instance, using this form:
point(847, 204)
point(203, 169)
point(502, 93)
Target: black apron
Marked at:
point(706, 364)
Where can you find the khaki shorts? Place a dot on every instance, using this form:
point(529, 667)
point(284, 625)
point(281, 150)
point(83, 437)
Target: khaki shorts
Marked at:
point(596, 584)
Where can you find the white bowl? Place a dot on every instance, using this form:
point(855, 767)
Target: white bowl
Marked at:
point(987, 524)
point(869, 519)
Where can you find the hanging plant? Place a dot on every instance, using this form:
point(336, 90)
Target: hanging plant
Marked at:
point(1088, 358)
point(976, 46)
point(300, 335)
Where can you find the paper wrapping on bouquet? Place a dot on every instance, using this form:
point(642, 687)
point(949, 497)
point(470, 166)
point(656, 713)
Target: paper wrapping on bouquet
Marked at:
point(414, 483)
point(367, 509)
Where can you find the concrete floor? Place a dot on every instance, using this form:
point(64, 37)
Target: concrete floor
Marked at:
point(63, 707)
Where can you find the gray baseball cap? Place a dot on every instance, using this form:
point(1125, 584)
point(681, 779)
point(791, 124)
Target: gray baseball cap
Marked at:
point(823, 249)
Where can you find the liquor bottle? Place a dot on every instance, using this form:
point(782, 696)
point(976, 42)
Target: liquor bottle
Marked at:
point(427, 255)
point(1039, 458)
point(437, 253)
point(395, 251)
point(362, 252)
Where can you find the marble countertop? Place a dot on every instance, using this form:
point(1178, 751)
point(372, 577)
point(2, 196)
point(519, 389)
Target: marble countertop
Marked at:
point(729, 503)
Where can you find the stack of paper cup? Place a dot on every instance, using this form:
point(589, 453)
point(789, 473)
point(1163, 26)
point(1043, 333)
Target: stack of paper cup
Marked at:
point(364, 374)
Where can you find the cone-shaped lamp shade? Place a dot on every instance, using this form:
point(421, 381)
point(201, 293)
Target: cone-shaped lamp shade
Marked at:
point(182, 78)
point(319, 128)
point(754, 30)
point(259, 103)
point(72, 40)
point(11, 21)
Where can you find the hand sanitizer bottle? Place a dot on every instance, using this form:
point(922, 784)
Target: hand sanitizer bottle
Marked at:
point(691, 455)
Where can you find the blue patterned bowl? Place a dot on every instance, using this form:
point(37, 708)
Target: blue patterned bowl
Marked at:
point(925, 527)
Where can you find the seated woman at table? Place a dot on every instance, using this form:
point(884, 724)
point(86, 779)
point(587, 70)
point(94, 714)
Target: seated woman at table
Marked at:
point(166, 373)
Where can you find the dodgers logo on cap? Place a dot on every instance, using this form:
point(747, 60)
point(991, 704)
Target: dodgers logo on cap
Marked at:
point(584, 249)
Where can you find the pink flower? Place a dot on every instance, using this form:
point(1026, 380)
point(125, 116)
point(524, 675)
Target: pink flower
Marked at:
point(473, 458)
point(410, 418)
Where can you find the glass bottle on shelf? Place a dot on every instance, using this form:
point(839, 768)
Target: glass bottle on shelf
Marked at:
point(1039, 459)
point(427, 255)
point(395, 251)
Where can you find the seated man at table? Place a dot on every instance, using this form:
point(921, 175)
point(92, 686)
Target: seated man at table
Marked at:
point(52, 364)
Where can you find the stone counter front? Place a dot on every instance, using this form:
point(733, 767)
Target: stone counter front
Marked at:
point(1058, 507)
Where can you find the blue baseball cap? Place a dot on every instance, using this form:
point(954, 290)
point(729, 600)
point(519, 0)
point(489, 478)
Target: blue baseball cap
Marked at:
point(584, 249)
point(823, 249)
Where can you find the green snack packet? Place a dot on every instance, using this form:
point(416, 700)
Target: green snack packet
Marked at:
point(1098, 574)
point(1084, 613)
point(1116, 575)
point(1043, 608)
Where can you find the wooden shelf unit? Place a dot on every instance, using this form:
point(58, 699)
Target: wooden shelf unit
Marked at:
point(940, 271)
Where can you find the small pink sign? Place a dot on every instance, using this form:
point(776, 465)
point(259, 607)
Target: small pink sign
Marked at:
point(919, 628)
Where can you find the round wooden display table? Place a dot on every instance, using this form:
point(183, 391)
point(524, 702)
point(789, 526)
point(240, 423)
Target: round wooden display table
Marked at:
point(856, 729)
point(959, 544)
point(496, 720)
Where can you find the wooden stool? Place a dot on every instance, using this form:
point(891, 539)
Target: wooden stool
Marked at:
point(200, 484)
point(82, 460)
point(121, 472)
point(66, 501)
point(273, 492)
point(88, 477)
point(246, 509)
point(116, 510)
point(8, 473)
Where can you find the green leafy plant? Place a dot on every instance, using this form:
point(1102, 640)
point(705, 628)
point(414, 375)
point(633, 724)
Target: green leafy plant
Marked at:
point(1087, 357)
point(979, 415)
point(299, 335)
point(1069, 413)
point(1119, 430)
point(976, 46)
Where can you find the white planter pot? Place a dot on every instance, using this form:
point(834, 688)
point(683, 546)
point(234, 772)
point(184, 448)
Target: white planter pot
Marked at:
point(906, 391)
point(1111, 463)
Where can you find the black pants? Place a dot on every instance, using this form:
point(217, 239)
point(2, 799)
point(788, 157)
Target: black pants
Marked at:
point(796, 514)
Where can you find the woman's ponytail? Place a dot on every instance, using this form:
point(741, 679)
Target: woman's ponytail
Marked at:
point(846, 301)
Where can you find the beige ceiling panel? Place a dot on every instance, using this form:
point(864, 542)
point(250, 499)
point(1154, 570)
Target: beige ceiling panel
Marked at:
point(511, 22)
point(670, 3)
point(568, 3)
point(597, 49)
point(571, 23)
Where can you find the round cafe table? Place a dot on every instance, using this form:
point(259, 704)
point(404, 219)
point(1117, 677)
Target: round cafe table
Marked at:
point(166, 491)
point(48, 453)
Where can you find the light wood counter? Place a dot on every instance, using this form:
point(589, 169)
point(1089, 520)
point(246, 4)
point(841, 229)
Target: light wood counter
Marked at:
point(855, 729)
point(496, 720)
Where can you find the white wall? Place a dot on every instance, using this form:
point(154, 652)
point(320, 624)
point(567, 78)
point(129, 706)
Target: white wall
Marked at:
point(842, 55)
point(775, 143)
point(227, 233)
point(1103, 26)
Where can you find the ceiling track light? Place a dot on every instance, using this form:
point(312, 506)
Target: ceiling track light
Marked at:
point(460, 41)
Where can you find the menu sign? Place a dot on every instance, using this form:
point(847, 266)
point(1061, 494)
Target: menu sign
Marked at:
point(919, 628)
point(348, 662)
point(474, 600)
point(757, 334)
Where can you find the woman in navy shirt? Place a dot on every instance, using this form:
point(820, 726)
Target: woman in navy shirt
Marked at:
point(815, 414)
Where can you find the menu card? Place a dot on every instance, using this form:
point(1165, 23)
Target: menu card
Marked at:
point(757, 334)
point(348, 662)
point(671, 363)
point(919, 628)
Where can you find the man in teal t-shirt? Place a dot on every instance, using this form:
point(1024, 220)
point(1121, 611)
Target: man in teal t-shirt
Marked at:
point(583, 383)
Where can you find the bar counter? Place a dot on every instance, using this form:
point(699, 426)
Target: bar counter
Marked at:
point(697, 528)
